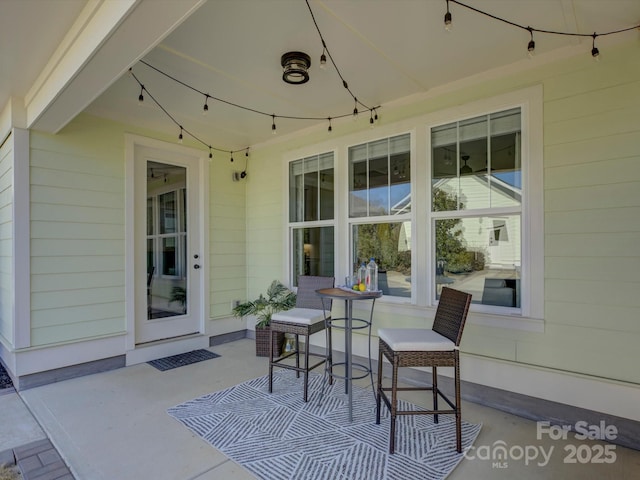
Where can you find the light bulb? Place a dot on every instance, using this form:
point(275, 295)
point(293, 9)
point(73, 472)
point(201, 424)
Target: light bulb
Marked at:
point(531, 48)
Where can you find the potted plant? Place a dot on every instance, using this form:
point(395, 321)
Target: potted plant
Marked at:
point(278, 298)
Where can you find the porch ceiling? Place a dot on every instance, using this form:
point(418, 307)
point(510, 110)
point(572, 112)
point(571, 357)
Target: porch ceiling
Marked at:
point(386, 50)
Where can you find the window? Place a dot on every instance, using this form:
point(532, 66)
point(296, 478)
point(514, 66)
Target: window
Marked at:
point(311, 216)
point(166, 237)
point(476, 207)
point(380, 210)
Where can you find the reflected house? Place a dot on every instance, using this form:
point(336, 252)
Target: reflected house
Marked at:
point(494, 240)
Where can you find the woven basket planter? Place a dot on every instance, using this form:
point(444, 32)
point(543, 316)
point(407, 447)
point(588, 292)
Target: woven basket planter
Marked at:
point(262, 342)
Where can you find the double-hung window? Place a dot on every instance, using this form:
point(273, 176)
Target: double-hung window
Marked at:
point(380, 210)
point(311, 216)
point(476, 208)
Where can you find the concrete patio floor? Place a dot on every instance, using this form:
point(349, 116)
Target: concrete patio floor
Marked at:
point(114, 425)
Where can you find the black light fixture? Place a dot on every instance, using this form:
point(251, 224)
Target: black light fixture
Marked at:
point(531, 46)
point(465, 169)
point(595, 53)
point(447, 19)
point(295, 67)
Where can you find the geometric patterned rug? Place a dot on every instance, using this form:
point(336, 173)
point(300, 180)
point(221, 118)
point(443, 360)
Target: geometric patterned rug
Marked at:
point(278, 436)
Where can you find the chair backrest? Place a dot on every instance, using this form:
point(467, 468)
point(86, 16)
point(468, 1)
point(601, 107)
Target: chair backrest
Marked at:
point(307, 286)
point(451, 314)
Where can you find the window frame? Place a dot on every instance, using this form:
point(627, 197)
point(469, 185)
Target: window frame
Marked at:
point(292, 226)
point(373, 219)
point(531, 210)
point(530, 100)
point(485, 212)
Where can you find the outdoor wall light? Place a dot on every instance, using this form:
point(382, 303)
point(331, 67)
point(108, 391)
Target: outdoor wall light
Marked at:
point(295, 67)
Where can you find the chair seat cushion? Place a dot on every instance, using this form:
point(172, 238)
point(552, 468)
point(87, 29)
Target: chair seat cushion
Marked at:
point(302, 316)
point(415, 340)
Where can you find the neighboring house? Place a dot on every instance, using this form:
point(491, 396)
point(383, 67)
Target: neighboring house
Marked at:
point(76, 249)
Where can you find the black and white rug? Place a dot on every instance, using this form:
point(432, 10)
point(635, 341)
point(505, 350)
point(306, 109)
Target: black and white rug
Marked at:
point(279, 436)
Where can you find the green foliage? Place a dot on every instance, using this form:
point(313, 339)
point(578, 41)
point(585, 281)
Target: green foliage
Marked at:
point(380, 241)
point(278, 298)
point(178, 294)
point(448, 243)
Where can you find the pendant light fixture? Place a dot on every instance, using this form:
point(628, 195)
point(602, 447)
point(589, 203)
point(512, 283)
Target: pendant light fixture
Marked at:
point(295, 67)
point(465, 169)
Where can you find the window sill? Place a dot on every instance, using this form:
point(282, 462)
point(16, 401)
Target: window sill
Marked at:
point(397, 306)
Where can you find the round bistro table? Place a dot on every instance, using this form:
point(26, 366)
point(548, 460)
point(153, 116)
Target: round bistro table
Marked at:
point(348, 324)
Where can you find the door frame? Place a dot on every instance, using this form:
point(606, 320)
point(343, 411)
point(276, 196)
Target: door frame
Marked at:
point(133, 295)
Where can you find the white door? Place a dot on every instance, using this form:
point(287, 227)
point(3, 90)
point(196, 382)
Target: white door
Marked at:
point(168, 246)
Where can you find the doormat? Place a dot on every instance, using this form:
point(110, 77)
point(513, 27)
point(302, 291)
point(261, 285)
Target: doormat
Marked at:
point(279, 436)
point(182, 359)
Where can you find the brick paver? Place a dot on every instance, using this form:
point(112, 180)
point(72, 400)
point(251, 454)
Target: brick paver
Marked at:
point(40, 460)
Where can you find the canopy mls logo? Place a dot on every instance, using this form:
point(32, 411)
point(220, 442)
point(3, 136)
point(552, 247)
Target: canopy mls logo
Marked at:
point(500, 453)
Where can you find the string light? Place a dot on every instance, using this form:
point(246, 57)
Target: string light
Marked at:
point(531, 47)
point(595, 53)
point(273, 125)
point(326, 53)
point(371, 122)
point(231, 155)
point(243, 174)
point(447, 19)
point(594, 50)
point(323, 57)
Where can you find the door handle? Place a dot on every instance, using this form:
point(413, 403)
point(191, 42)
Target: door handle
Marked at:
point(196, 266)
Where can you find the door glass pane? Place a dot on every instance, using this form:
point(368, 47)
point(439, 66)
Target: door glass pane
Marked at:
point(166, 240)
point(168, 212)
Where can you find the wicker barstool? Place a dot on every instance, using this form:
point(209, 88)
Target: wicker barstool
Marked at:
point(306, 318)
point(437, 347)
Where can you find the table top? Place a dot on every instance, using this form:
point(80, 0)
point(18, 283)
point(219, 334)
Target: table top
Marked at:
point(340, 294)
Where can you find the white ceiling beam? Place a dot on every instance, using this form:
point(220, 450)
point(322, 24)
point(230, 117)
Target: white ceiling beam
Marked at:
point(107, 38)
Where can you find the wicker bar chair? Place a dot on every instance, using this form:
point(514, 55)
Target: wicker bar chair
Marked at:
point(435, 347)
point(306, 318)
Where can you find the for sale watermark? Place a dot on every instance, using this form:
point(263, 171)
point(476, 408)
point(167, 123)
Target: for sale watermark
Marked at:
point(500, 453)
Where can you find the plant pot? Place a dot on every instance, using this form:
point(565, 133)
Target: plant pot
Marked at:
point(262, 341)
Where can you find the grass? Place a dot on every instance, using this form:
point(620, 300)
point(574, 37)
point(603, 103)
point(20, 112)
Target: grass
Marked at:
point(8, 473)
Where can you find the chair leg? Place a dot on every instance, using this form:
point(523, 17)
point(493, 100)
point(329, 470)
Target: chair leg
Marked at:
point(271, 360)
point(394, 406)
point(434, 382)
point(329, 354)
point(297, 356)
point(379, 389)
point(458, 407)
point(306, 366)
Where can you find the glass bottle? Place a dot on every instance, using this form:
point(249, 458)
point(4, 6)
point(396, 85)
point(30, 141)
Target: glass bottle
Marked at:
point(362, 273)
point(372, 276)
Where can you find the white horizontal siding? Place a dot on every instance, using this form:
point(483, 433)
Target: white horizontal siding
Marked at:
point(6, 241)
point(77, 233)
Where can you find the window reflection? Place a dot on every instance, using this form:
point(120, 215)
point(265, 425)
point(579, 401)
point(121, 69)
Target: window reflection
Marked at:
point(390, 245)
point(313, 252)
point(481, 256)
